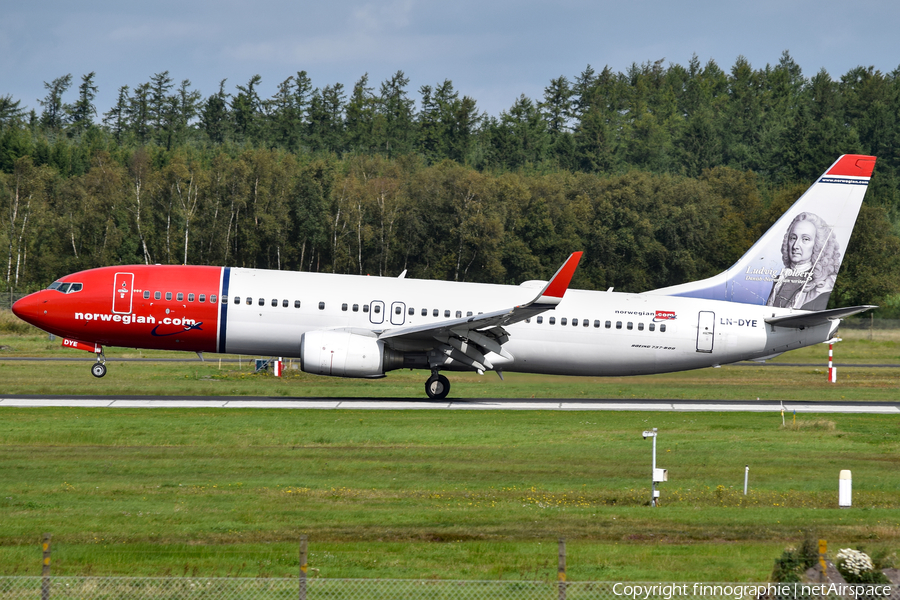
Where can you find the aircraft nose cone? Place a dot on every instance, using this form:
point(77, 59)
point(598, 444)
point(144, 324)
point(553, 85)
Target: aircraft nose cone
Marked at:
point(30, 308)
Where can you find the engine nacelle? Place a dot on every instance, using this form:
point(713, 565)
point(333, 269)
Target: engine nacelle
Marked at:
point(346, 354)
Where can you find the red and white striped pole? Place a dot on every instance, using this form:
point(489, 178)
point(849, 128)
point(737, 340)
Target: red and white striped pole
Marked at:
point(832, 370)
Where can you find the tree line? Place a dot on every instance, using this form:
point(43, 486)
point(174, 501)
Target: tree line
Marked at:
point(661, 174)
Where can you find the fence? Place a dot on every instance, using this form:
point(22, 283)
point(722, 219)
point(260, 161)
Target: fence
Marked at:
point(191, 588)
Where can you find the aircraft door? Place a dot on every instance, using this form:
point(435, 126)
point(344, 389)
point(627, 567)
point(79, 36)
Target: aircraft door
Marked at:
point(706, 329)
point(398, 313)
point(376, 312)
point(124, 284)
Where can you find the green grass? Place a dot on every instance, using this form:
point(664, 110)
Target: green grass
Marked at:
point(738, 382)
point(433, 493)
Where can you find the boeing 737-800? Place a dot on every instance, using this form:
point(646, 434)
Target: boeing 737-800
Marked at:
point(772, 300)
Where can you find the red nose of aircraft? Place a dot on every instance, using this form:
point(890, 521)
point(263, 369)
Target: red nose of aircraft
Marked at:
point(31, 308)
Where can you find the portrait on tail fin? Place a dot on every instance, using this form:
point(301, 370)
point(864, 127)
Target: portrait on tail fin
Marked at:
point(811, 257)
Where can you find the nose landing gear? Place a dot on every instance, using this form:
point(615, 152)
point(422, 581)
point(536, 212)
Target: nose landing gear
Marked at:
point(437, 387)
point(98, 369)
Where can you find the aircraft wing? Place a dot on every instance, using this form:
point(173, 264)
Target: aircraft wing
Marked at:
point(819, 317)
point(468, 339)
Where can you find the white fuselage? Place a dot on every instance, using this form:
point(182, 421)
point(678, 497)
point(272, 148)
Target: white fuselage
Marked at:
point(588, 333)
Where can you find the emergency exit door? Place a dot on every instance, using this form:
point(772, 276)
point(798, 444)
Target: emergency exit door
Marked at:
point(706, 330)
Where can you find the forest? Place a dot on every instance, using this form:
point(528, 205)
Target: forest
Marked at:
point(661, 174)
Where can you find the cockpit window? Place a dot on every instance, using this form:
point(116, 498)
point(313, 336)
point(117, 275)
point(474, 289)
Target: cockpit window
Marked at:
point(65, 288)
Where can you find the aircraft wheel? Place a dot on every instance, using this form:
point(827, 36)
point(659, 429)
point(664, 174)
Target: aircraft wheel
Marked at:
point(98, 369)
point(437, 387)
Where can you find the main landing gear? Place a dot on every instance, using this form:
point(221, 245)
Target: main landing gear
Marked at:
point(437, 387)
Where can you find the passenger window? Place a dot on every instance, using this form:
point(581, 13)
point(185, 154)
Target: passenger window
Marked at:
point(398, 310)
point(284, 303)
point(146, 294)
point(180, 296)
point(377, 309)
point(528, 320)
point(540, 320)
point(586, 323)
point(434, 313)
point(262, 301)
point(574, 322)
point(321, 306)
point(640, 326)
point(652, 326)
point(168, 295)
point(203, 298)
point(213, 299)
point(553, 320)
point(365, 308)
point(459, 314)
point(618, 324)
point(344, 307)
point(608, 324)
point(157, 295)
point(249, 300)
point(190, 297)
point(296, 304)
point(630, 325)
point(562, 321)
point(411, 311)
point(275, 302)
point(424, 312)
point(597, 323)
point(237, 299)
point(662, 328)
point(469, 313)
point(356, 308)
point(446, 314)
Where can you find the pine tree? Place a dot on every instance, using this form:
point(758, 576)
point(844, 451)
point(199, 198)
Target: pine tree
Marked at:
point(214, 117)
point(84, 111)
point(55, 114)
point(116, 119)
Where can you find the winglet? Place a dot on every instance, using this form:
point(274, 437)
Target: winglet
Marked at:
point(556, 288)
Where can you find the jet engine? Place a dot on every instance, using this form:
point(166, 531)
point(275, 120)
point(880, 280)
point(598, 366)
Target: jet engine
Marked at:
point(346, 354)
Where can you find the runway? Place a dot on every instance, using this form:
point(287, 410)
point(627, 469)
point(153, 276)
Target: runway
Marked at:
point(563, 404)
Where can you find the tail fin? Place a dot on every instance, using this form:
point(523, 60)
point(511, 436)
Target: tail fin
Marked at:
point(795, 263)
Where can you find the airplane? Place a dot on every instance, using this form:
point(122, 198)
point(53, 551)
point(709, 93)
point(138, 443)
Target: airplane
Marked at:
point(771, 300)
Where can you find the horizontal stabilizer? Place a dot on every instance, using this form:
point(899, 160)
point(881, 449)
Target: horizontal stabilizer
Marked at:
point(819, 317)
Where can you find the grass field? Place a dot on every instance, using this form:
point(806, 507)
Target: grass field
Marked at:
point(740, 382)
point(434, 494)
point(438, 494)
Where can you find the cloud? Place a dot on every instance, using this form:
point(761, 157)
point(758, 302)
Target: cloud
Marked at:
point(156, 31)
point(380, 18)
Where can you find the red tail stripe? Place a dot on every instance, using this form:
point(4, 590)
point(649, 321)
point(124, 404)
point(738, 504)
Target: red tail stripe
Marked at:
point(853, 165)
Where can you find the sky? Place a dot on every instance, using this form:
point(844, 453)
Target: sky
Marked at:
point(493, 51)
